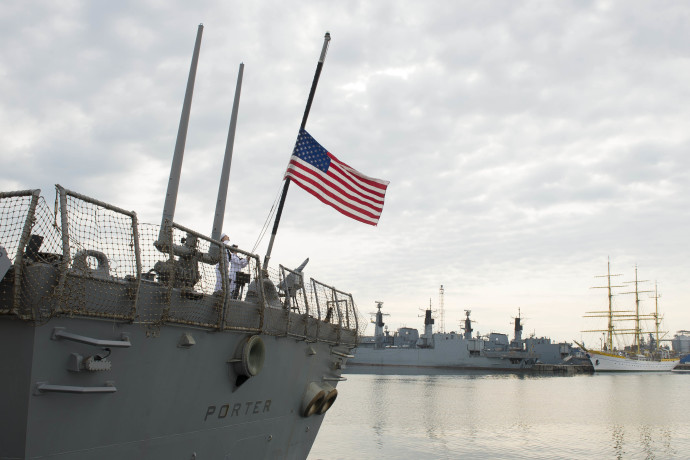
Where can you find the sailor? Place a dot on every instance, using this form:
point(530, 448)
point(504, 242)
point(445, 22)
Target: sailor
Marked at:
point(234, 264)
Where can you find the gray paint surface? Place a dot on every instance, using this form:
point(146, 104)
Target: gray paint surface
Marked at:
point(170, 402)
point(110, 367)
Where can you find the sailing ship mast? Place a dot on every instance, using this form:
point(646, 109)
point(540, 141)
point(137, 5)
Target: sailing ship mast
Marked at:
point(625, 315)
point(657, 321)
point(638, 330)
point(609, 331)
point(629, 357)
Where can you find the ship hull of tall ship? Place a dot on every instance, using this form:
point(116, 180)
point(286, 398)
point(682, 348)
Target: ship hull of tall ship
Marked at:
point(449, 351)
point(607, 362)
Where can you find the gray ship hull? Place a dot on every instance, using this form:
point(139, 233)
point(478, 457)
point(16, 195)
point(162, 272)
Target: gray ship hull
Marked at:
point(170, 402)
point(450, 351)
point(127, 340)
point(121, 357)
point(406, 348)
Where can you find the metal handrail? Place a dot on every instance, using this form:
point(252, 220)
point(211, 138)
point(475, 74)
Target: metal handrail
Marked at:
point(45, 387)
point(60, 333)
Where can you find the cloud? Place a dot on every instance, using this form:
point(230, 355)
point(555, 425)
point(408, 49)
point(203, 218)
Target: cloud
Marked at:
point(525, 142)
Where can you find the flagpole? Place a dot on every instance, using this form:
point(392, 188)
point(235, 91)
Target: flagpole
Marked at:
point(317, 74)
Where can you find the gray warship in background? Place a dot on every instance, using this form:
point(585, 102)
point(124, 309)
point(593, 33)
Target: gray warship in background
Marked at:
point(115, 342)
point(456, 351)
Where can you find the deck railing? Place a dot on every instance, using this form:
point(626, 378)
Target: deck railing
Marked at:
point(89, 258)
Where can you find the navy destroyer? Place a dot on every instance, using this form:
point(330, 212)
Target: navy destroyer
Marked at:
point(444, 349)
point(453, 350)
point(116, 341)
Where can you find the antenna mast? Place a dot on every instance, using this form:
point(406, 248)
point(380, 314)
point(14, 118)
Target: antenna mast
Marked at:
point(175, 169)
point(441, 312)
point(227, 162)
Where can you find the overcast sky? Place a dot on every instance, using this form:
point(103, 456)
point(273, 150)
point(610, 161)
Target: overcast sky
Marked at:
point(525, 141)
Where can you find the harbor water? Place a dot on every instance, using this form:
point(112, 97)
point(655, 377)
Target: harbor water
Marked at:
point(444, 415)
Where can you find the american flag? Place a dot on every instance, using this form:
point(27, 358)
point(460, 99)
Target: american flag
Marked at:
point(336, 184)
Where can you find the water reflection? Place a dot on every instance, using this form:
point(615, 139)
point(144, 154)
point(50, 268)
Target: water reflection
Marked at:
point(430, 372)
point(379, 405)
point(618, 435)
point(450, 414)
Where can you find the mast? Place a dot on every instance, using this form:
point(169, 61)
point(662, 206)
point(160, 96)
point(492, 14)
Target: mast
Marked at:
point(656, 313)
point(626, 315)
point(428, 323)
point(441, 312)
point(609, 331)
point(609, 335)
point(638, 330)
point(279, 212)
point(227, 161)
point(637, 314)
point(176, 167)
point(378, 325)
point(518, 327)
point(468, 325)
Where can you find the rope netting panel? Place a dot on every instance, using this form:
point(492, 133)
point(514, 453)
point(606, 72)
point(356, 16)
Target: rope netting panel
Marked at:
point(89, 258)
point(191, 287)
point(14, 210)
point(201, 287)
point(295, 311)
point(291, 286)
point(155, 293)
point(311, 310)
point(243, 289)
point(337, 308)
point(26, 215)
point(277, 314)
point(100, 275)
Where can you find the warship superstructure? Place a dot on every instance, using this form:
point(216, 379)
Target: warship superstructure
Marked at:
point(115, 342)
point(444, 349)
point(681, 342)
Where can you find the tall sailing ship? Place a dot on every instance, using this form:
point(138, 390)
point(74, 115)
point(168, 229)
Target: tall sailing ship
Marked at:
point(641, 355)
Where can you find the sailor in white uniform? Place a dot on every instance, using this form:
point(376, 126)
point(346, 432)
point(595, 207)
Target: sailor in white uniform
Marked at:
point(234, 264)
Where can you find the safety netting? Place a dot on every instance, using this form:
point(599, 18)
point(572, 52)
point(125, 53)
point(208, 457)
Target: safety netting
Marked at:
point(89, 258)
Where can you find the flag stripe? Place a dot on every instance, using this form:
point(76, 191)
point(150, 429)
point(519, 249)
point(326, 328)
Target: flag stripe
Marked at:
point(354, 182)
point(323, 187)
point(335, 183)
point(346, 183)
point(342, 200)
point(365, 220)
point(350, 213)
point(372, 182)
